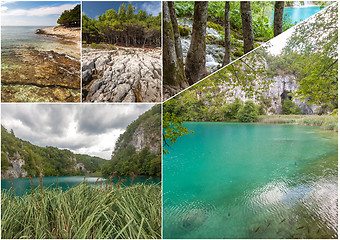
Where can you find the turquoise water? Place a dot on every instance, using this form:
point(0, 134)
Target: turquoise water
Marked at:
point(298, 14)
point(251, 181)
point(23, 185)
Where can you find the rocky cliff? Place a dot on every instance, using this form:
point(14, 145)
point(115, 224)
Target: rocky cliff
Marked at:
point(138, 149)
point(281, 87)
point(22, 159)
point(122, 75)
point(143, 132)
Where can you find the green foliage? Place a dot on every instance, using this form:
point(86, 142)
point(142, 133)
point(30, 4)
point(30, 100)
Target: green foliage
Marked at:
point(232, 109)
point(70, 17)
point(50, 161)
point(290, 108)
point(248, 113)
point(125, 159)
point(125, 27)
point(83, 212)
point(172, 129)
point(311, 53)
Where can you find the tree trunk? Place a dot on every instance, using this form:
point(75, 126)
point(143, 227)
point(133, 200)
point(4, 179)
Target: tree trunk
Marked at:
point(173, 69)
point(195, 68)
point(247, 27)
point(278, 17)
point(177, 37)
point(227, 55)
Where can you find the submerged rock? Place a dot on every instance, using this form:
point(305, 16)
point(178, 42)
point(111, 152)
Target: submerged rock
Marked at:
point(40, 76)
point(123, 75)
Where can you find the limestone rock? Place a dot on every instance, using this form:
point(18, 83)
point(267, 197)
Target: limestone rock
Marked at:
point(123, 75)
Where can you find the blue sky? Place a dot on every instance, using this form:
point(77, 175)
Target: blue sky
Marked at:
point(33, 13)
point(95, 8)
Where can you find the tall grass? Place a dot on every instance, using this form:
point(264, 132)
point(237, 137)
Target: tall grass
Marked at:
point(83, 212)
point(325, 122)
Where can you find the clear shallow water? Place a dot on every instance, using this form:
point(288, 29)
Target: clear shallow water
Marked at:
point(24, 37)
point(251, 181)
point(23, 185)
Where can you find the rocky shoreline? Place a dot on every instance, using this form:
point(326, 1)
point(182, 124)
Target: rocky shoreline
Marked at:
point(29, 75)
point(122, 75)
point(61, 32)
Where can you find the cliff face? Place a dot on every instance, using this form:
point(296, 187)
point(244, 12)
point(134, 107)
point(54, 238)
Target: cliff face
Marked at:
point(22, 159)
point(143, 132)
point(138, 149)
point(15, 168)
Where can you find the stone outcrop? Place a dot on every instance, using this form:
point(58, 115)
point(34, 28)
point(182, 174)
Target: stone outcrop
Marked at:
point(282, 87)
point(15, 169)
point(122, 75)
point(142, 139)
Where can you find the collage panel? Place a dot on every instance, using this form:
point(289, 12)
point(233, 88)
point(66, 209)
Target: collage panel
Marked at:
point(169, 119)
point(252, 150)
point(201, 37)
point(121, 51)
point(40, 51)
point(80, 171)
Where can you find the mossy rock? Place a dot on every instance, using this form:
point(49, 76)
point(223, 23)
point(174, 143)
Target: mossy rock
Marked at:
point(261, 39)
point(184, 31)
point(214, 26)
point(238, 53)
point(210, 39)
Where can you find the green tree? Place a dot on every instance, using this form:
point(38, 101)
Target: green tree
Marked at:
point(314, 47)
point(248, 113)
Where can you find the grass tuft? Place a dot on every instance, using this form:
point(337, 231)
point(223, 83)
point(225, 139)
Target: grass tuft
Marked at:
point(83, 212)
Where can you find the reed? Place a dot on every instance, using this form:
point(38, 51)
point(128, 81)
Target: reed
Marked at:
point(324, 122)
point(83, 212)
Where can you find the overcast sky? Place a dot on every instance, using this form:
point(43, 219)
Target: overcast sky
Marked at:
point(91, 129)
point(33, 13)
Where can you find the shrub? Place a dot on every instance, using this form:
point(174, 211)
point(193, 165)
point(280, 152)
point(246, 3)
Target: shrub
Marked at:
point(290, 108)
point(248, 113)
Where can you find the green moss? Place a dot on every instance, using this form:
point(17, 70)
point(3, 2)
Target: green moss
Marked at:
point(184, 30)
point(238, 53)
point(257, 44)
point(214, 26)
point(210, 39)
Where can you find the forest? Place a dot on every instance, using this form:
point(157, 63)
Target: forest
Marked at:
point(235, 27)
point(126, 159)
point(126, 28)
point(300, 80)
point(70, 18)
point(50, 161)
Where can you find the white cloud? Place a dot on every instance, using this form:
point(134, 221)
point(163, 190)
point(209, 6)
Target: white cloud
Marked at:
point(150, 8)
point(88, 129)
point(42, 11)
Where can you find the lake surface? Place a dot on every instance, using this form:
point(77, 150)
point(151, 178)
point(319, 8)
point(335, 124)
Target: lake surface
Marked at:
point(298, 14)
point(23, 185)
point(251, 181)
